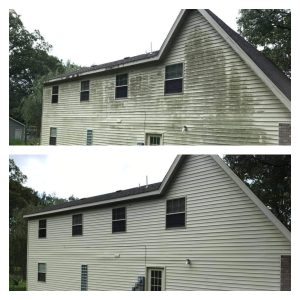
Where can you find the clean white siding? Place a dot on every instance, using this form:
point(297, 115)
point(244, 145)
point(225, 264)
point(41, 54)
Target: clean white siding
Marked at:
point(230, 242)
point(223, 102)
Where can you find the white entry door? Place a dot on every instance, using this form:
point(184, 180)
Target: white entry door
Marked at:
point(155, 279)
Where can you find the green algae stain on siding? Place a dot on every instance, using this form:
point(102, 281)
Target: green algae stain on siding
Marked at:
point(228, 105)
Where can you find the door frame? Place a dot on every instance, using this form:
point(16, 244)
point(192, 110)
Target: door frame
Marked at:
point(147, 277)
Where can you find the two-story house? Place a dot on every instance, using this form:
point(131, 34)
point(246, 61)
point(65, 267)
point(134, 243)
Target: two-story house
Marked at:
point(201, 228)
point(206, 85)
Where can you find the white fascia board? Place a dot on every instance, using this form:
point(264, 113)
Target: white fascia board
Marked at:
point(103, 70)
point(170, 173)
point(253, 197)
point(89, 205)
point(269, 83)
point(171, 32)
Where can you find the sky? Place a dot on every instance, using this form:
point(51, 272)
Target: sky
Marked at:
point(95, 34)
point(102, 171)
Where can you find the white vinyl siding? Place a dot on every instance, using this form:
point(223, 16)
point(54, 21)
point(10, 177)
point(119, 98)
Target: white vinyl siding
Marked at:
point(229, 241)
point(224, 101)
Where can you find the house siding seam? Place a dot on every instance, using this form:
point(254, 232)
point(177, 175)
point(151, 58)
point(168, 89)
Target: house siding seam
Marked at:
point(230, 242)
point(223, 100)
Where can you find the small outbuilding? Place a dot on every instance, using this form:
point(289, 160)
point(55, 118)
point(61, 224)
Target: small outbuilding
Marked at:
point(16, 130)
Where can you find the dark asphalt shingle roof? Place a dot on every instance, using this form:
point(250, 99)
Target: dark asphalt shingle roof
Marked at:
point(267, 66)
point(273, 73)
point(109, 65)
point(110, 196)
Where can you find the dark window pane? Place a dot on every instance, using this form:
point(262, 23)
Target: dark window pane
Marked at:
point(154, 140)
point(42, 233)
point(77, 230)
point(118, 226)
point(121, 79)
point(173, 86)
point(89, 137)
point(118, 213)
point(121, 92)
point(42, 277)
point(174, 71)
point(55, 89)
point(85, 85)
point(42, 223)
point(176, 205)
point(52, 140)
point(54, 98)
point(175, 220)
point(84, 96)
point(77, 219)
point(84, 277)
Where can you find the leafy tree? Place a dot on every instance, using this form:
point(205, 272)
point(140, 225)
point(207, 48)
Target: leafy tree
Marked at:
point(15, 173)
point(269, 30)
point(22, 200)
point(31, 105)
point(28, 60)
point(269, 177)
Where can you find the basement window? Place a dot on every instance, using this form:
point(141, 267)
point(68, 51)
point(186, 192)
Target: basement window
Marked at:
point(119, 219)
point(77, 224)
point(42, 272)
point(153, 139)
point(85, 90)
point(53, 135)
point(55, 94)
point(173, 79)
point(42, 228)
point(89, 137)
point(121, 86)
point(84, 278)
point(175, 216)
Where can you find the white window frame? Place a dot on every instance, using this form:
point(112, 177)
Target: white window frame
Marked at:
point(53, 135)
point(42, 272)
point(175, 78)
point(81, 224)
point(185, 213)
point(56, 94)
point(86, 90)
point(112, 220)
point(119, 86)
point(154, 134)
point(42, 228)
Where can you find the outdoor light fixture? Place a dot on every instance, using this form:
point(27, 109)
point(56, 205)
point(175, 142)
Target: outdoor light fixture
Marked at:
point(184, 128)
point(187, 261)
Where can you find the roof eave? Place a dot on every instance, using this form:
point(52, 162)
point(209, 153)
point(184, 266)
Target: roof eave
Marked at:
point(167, 179)
point(76, 76)
point(160, 54)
